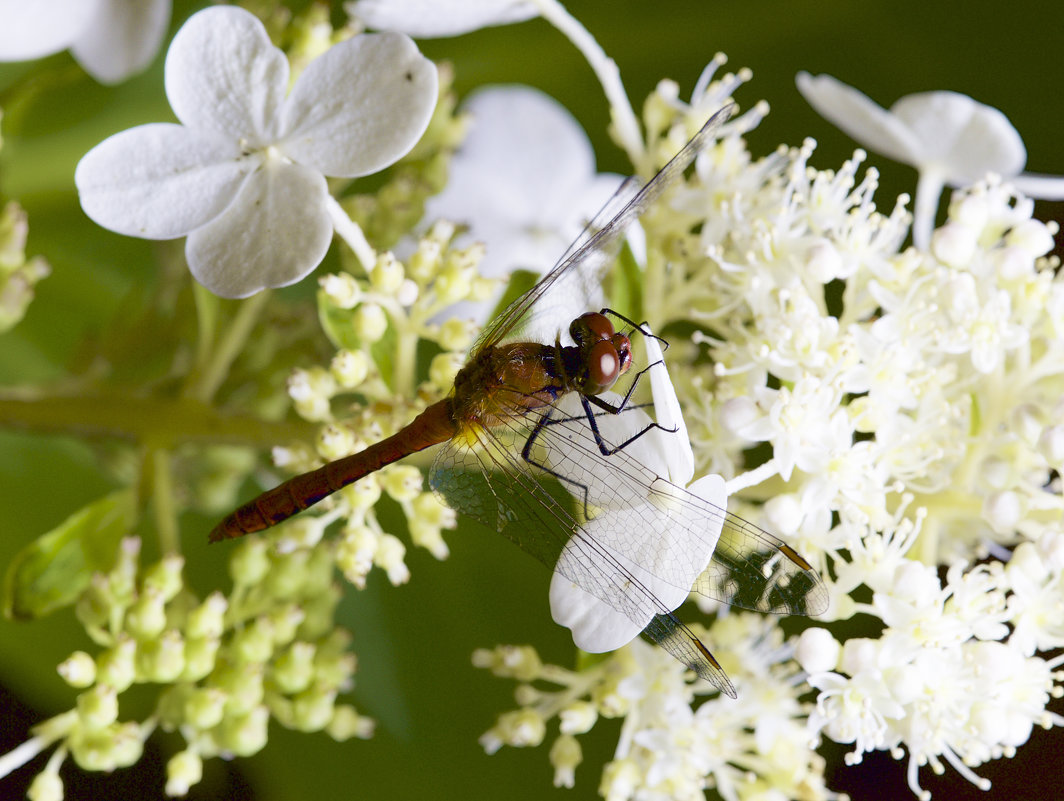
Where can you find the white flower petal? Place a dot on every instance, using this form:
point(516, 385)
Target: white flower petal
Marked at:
point(678, 454)
point(860, 117)
point(428, 18)
point(223, 75)
point(40, 28)
point(969, 139)
point(276, 230)
point(524, 179)
point(597, 626)
point(159, 181)
point(122, 38)
point(1044, 187)
point(360, 106)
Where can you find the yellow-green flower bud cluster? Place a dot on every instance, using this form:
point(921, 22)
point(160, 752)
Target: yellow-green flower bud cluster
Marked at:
point(223, 666)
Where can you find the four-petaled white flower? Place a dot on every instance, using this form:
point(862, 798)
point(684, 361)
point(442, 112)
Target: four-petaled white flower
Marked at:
point(596, 625)
point(948, 137)
point(524, 180)
point(110, 39)
point(244, 174)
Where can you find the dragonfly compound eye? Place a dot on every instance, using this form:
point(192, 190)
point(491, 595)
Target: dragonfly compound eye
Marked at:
point(603, 367)
point(590, 327)
point(623, 346)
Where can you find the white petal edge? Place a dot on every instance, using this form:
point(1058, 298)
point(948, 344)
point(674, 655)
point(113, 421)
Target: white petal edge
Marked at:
point(275, 232)
point(42, 27)
point(159, 181)
point(360, 106)
point(431, 18)
point(966, 138)
point(598, 627)
point(224, 75)
point(122, 39)
point(860, 117)
point(678, 454)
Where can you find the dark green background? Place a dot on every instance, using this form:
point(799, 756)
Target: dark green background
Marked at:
point(414, 643)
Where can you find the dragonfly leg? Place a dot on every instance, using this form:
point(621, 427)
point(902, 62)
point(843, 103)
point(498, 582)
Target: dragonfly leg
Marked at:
point(526, 454)
point(604, 447)
point(640, 327)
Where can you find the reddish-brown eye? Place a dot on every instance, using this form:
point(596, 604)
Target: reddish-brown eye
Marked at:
point(590, 327)
point(603, 367)
point(623, 346)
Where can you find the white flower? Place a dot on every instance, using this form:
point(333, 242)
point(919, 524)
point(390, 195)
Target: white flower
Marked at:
point(244, 174)
point(948, 137)
point(429, 18)
point(596, 625)
point(111, 39)
point(524, 180)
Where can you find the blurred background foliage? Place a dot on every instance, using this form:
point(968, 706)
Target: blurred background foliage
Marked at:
point(414, 642)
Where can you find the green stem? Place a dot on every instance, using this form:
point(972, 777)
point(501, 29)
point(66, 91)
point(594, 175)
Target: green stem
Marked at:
point(405, 360)
point(163, 422)
point(163, 497)
point(212, 375)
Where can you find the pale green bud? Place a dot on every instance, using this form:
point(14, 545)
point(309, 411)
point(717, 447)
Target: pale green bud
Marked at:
point(347, 723)
point(350, 368)
point(320, 611)
point(521, 727)
point(483, 289)
point(444, 367)
point(122, 579)
point(208, 619)
point(93, 608)
point(201, 654)
point(104, 750)
point(205, 707)
point(334, 669)
point(164, 577)
point(425, 261)
point(565, 756)
point(387, 274)
point(98, 706)
point(245, 735)
point(161, 660)
point(146, 618)
point(335, 441)
point(456, 334)
point(519, 662)
point(287, 574)
point(46, 786)
point(341, 290)
point(389, 557)
point(184, 770)
point(577, 717)
point(250, 562)
point(312, 709)
point(292, 671)
point(370, 322)
point(453, 283)
point(254, 643)
point(286, 621)
point(78, 669)
point(116, 667)
point(243, 687)
point(401, 481)
point(363, 494)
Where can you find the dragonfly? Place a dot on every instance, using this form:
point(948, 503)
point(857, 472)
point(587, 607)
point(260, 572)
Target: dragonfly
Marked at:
point(532, 410)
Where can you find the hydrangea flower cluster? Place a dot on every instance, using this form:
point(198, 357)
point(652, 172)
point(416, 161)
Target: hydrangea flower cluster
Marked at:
point(891, 411)
point(908, 398)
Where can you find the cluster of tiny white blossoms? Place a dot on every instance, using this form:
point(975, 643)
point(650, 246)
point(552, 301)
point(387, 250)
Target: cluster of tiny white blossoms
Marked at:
point(909, 399)
point(377, 323)
point(222, 666)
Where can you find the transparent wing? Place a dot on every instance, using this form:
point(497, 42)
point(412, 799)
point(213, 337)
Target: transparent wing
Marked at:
point(490, 481)
point(688, 541)
point(573, 284)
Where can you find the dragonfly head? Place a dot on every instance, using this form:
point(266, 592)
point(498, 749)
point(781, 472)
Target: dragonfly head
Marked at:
point(605, 354)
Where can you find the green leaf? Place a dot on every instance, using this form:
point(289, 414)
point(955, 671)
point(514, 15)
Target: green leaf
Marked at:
point(53, 570)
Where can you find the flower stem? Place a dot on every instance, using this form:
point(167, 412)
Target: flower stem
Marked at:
point(163, 497)
point(928, 191)
point(349, 231)
point(212, 375)
point(627, 126)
